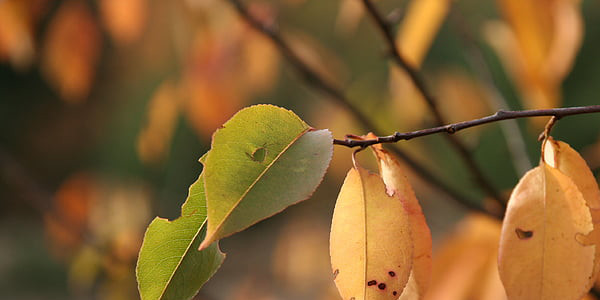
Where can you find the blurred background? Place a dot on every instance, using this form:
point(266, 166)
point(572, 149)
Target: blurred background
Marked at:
point(106, 106)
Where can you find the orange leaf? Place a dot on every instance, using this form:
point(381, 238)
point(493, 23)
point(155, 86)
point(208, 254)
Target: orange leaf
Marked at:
point(397, 184)
point(124, 19)
point(540, 256)
point(71, 51)
point(370, 244)
point(561, 156)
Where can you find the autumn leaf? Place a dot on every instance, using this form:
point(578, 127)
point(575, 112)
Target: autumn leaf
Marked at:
point(561, 156)
point(537, 42)
point(263, 160)
point(397, 184)
point(124, 19)
point(16, 33)
point(71, 51)
point(417, 31)
point(370, 244)
point(540, 255)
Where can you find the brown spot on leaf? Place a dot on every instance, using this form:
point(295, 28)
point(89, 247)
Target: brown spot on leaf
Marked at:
point(392, 273)
point(372, 282)
point(335, 273)
point(381, 286)
point(523, 234)
point(394, 293)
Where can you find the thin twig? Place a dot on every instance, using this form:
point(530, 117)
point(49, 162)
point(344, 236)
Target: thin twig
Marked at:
point(313, 79)
point(512, 133)
point(455, 127)
point(413, 74)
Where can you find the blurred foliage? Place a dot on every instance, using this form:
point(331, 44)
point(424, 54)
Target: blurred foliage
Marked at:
point(106, 106)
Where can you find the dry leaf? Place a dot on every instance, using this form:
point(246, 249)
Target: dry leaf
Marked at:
point(540, 255)
point(397, 184)
point(370, 244)
point(71, 51)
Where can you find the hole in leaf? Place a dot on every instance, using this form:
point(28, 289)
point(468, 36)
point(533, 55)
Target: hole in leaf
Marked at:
point(372, 282)
point(523, 234)
point(381, 286)
point(259, 154)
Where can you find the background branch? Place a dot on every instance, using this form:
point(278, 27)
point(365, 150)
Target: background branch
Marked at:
point(475, 58)
point(313, 79)
point(385, 27)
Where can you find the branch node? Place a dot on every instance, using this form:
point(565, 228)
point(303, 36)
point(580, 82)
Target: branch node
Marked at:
point(450, 129)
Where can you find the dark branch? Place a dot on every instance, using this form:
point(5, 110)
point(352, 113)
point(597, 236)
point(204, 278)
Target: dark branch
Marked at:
point(313, 79)
point(453, 128)
point(419, 83)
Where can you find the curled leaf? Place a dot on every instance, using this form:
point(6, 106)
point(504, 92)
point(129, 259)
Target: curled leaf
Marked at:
point(370, 245)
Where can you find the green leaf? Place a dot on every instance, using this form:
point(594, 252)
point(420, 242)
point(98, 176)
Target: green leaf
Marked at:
point(169, 265)
point(263, 160)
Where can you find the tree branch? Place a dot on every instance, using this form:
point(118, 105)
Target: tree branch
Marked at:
point(419, 83)
point(512, 133)
point(313, 79)
point(455, 127)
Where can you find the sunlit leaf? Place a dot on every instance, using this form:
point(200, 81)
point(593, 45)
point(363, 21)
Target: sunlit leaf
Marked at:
point(263, 160)
point(397, 184)
point(370, 245)
point(540, 254)
point(561, 156)
point(169, 264)
point(71, 51)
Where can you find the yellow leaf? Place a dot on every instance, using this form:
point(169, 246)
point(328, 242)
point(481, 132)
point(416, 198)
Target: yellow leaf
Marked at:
point(561, 156)
point(397, 184)
point(540, 256)
point(538, 43)
point(419, 27)
point(370, 244)
point(415, 35)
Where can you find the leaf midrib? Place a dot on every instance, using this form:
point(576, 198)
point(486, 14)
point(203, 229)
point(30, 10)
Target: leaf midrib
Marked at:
point(260, 176)
point(185, 253)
